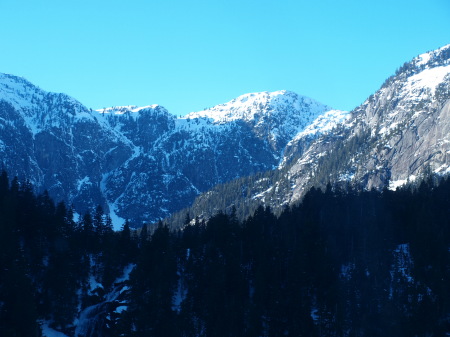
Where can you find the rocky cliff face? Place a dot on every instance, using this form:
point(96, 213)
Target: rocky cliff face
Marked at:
point(409, 119)
point(397, 135)
point(141, 163)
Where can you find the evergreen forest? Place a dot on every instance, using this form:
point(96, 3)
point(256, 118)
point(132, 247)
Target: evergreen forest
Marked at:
point(340, 263)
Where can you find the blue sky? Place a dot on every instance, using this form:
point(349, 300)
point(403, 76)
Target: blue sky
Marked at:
point(188, 55)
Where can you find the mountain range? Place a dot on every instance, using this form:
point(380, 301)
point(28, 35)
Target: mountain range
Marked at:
point(145, 164)
point(398, 135)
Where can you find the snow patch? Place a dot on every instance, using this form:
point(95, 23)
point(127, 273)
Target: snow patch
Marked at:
point(76, 217)
point(394, 184)
point(428, 78)
point(423, 59)
point(346, 177)
point(117, 221)
point(443, 169)
point(93, 284)
point(121, 308)
point(262, 194)
point(315, 314)
point(324, 123)
point(126, 273)
point(385, 129)
point(49, 332)
point(81, 182)
point(382, 131)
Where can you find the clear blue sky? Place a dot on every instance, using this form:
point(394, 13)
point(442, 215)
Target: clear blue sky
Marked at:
point(188, 55)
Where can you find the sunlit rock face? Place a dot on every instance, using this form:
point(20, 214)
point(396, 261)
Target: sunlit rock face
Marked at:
point(398, 135)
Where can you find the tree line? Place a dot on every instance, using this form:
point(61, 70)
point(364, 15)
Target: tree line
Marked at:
point(341, 263)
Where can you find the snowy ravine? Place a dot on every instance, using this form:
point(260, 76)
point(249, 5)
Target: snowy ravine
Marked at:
point(94, 319)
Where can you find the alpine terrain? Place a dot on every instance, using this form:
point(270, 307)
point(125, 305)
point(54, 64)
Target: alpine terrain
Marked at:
point(141, 163)
point(400, 133)
point(312, 221)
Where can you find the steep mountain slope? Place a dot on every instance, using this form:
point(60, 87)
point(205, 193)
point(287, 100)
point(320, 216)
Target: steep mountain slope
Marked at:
point(395, 135)
point(55, 142)
point(175, 159)
point(141, 163)
point(398, 134)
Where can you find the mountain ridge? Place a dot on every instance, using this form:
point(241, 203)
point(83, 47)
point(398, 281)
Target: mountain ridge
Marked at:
point(397, 135)
point(140, 163)
point(144, 164)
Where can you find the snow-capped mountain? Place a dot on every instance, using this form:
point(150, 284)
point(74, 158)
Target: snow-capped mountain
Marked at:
point(398, 134)
point(55, 142)
point(141, 163)
point(403, 129)
point(394, 136)
point(277, 116)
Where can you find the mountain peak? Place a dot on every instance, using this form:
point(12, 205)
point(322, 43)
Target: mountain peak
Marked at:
point(24, 95)
point(276, 116)
point(254, 106)
point(38, 108)
point(18, 91)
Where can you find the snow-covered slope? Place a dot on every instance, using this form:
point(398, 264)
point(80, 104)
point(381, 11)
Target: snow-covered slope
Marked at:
point(323, 124)
point(40, 109)
point(277, 116)
point(56, 142)
point(175, 159)
point(399, 133)
point(255, 106)
point(141, 163)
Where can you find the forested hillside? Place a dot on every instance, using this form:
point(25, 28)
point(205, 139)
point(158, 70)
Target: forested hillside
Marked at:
point(339, 264)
